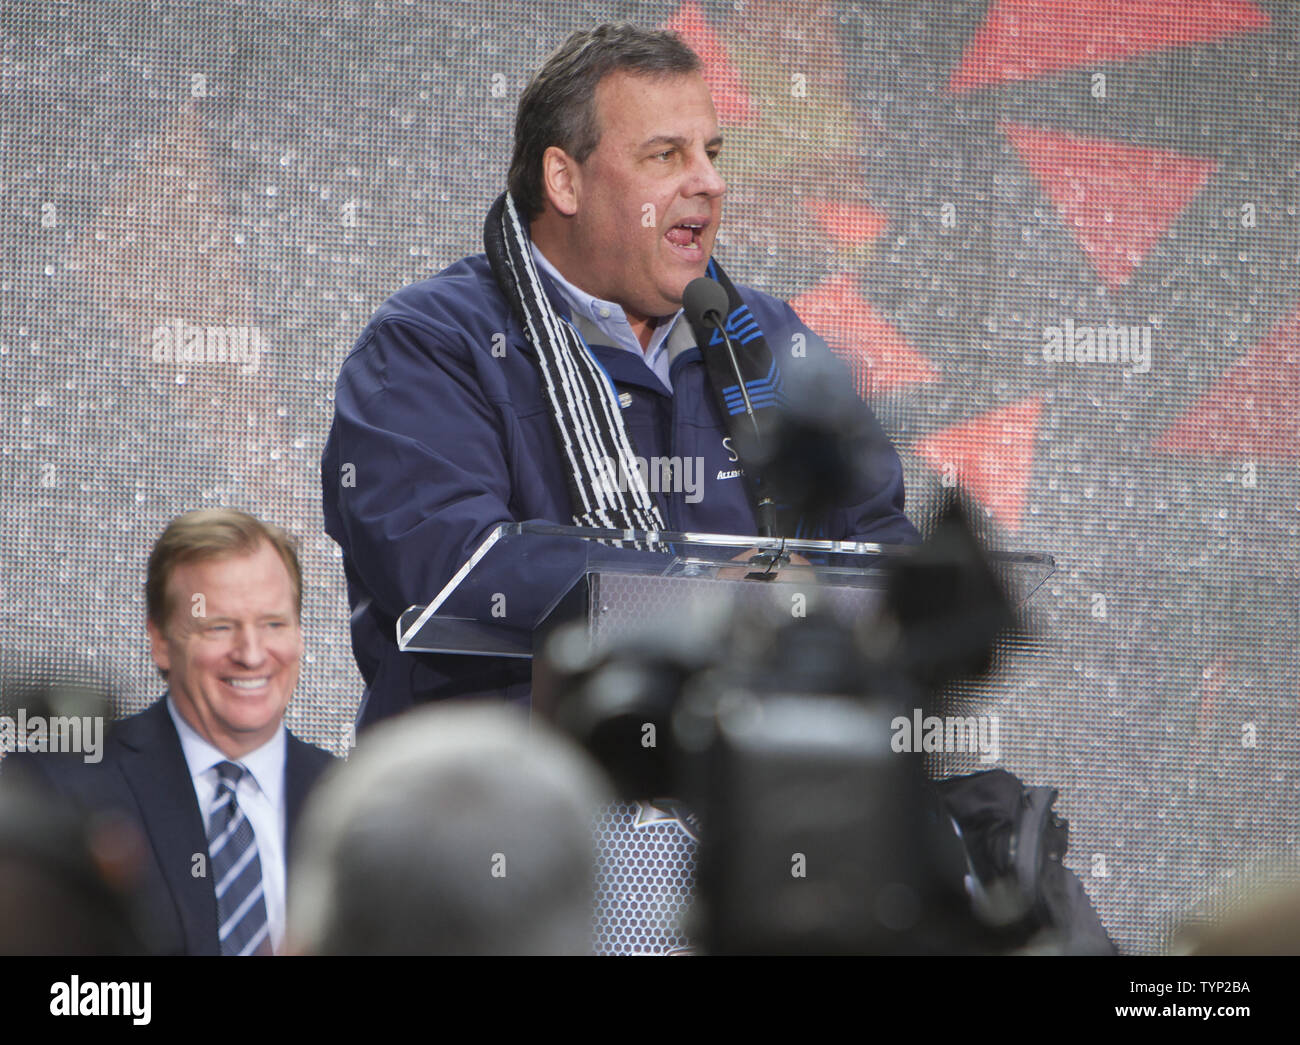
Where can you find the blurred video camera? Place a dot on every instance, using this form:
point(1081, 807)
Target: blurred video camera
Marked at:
point(817, 834)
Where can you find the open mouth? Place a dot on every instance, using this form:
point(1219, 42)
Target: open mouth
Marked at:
point(686, 235)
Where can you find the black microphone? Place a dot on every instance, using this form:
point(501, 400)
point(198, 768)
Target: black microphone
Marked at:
point(705, 303)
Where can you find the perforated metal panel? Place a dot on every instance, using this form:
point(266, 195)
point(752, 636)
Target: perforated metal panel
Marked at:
point(644, 881)
point(646, 862)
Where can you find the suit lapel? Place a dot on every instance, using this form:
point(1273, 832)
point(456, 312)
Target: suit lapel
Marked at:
point(155, 770)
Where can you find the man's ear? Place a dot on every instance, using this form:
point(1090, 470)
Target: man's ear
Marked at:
point(561, 180)
point(158, 647)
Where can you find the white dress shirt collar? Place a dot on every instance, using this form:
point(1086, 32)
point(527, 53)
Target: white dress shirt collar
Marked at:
point(264, 764)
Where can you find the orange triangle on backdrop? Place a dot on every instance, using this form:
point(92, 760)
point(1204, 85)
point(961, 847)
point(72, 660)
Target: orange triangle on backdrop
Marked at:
point(1253, 410)
point(1116, 199)
point(993, 455)
point(861, 336)
point(1025, 39)
point(730, 97)
point(162, 249)
point(162, 246)
point(849, 224)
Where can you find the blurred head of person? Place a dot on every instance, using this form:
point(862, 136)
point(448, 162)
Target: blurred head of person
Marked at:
point(224, 599)
point(1262, 917)
point(66, 879)
point(453, 829)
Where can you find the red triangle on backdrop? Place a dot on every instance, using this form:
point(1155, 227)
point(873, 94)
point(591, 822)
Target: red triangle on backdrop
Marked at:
point(1025, 39)
point(730, 97)
point(1116, 199)
point(849, 224)
point(993, 455)
point(880, 357)
point(1253, 411)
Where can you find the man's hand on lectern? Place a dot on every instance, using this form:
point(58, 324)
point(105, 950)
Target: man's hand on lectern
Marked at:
point(782, 573)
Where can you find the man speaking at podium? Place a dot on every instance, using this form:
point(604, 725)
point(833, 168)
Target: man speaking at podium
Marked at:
point(506, 387)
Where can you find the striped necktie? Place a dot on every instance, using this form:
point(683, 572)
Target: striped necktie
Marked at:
point(236, 870)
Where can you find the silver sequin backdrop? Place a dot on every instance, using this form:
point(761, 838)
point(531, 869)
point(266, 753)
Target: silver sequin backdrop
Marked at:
point(1059, 242)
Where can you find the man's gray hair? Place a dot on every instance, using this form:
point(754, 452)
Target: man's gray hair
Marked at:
point(453, 829)
point(559, 106)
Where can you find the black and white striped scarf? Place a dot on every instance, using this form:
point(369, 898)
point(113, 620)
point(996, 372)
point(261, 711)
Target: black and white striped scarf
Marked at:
point(606, 487)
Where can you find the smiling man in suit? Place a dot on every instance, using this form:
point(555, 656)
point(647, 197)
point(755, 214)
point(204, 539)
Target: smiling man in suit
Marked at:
point(209, 772)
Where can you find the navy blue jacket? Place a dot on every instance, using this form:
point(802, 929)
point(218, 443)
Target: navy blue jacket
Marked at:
point(442, 430)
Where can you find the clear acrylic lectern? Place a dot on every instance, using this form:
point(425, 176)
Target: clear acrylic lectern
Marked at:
point(526, 578)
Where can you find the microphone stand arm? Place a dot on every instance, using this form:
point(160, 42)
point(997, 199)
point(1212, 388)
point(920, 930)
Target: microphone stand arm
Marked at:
point(771, 560)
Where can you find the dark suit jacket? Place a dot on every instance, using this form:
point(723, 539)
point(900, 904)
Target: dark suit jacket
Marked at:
point(144, 775)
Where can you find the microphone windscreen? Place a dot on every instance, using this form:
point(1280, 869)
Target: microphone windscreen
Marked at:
point(701, 297)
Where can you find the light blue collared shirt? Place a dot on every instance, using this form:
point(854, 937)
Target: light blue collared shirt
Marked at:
point(260, 794)
point(611, 321)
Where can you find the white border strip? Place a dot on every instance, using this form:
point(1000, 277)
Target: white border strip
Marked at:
point(451, 585)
